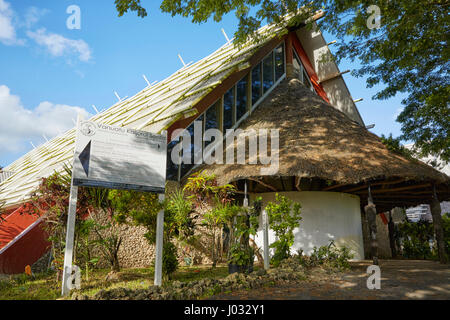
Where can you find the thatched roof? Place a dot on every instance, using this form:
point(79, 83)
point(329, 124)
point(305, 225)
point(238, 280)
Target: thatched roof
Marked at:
point(317, 141)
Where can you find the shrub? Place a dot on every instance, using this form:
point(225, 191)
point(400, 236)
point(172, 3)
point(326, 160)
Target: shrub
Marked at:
point(284, 217)
point(170, 259)
point(416, 238)
point(328, 256)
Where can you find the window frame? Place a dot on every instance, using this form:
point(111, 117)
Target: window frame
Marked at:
point(250, 105)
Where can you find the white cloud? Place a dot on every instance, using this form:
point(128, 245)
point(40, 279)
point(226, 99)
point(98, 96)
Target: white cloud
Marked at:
point(19, 126)
point(33, 15)
point(57, 45)
point(7, 30)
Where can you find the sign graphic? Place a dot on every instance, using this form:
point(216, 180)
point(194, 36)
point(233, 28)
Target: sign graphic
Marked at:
point(119, 158)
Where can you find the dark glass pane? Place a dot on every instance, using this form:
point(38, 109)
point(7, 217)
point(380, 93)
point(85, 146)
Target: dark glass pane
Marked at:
point(228, 106)
point(279, 62)
point(256, 83)
point(192, 149)
point(268, 73)
point(298, 73)
point(172, 168)
point(212, 118)
point(306, 80)
point(241, 98)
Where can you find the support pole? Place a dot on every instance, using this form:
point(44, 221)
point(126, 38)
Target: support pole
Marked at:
point(70, 233)
point(266, 239)
point(435, 207)
point(159, 244)
point(371, 213)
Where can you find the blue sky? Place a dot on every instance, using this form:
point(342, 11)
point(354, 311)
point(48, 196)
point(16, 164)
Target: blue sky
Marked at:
point(49, 73)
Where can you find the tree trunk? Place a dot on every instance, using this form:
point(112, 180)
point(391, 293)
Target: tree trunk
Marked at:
point(391, 228)
point(438, 229)
point(371, 213)
point(366, 234)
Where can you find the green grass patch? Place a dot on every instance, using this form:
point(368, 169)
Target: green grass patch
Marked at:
point(46, 287)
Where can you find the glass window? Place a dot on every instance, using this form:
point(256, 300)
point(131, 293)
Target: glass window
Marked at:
point(268, 76)
point(228, 109)
point(298, 68)
point(306, 80)
point(172, 168)
point(279, 62)
point(191, 149)
point(241, 98)
point(256, 83)
point(212, 116)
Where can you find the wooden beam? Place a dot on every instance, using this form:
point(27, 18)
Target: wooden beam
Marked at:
point(374, 184)
point(417, 186)
point(263, 184)
point(336, 186)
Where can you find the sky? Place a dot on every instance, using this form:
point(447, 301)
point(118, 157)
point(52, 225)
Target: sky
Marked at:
point(49, 73)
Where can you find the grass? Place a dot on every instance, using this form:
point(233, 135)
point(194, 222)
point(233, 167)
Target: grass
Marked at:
point(45, 286)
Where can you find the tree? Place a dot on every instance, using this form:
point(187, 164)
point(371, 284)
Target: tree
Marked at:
point(407, 50)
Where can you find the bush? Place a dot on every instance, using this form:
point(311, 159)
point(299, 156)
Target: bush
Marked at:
point(416, 238)
point(284, 217)
point(170, 259)
point(328, 256)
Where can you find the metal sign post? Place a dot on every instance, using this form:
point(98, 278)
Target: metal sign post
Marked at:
point(116, 158)
point(70, 232)
point(159, 244)
point(266, 239)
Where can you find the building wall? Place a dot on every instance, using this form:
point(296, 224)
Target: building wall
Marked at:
point(337, 91)
point(326, 216)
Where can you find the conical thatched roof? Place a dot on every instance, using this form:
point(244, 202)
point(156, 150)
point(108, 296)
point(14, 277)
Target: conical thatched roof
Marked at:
point(318, 141)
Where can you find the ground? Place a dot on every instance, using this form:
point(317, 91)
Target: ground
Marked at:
point(400, 279)
point(46, 287)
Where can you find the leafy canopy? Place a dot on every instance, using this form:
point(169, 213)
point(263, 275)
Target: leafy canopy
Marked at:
point(409, 53)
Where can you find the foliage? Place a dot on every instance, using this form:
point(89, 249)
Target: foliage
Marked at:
point(446, 228)
point(244, 225)
point(52, 197)
point(416, 238)
point(408, 53)
point(170, 259)
point(328, 256)
point(184, 216)
point(143, 208)
point(284, 217)
point(241, 255)
point(215, 204)
point(395, 145)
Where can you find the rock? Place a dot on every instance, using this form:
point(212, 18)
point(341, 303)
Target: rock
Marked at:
point(177, 284)
point(260, 272)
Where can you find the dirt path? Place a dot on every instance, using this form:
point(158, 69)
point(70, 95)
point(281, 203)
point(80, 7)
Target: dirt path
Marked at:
point(400, 279)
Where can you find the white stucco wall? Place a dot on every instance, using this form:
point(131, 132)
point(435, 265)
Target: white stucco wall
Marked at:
point(326, 216)
point(336, 89)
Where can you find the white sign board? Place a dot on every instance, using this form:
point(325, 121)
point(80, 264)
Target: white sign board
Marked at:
point(119, 158)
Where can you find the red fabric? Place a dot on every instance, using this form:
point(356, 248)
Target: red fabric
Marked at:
point(308, 67)
point(26, 250)
point(383, 218)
